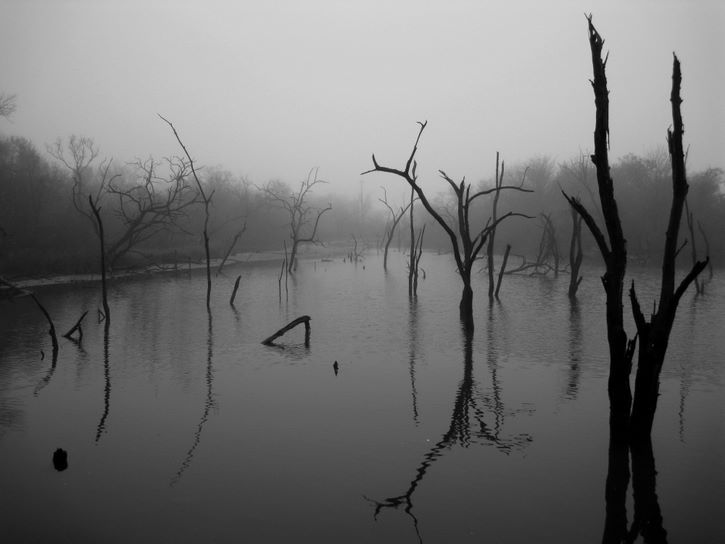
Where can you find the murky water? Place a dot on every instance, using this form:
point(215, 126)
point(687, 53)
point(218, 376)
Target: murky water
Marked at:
point(182, 427)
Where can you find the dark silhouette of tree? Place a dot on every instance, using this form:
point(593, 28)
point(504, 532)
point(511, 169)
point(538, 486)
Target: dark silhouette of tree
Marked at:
point(302, 227)
point(626, 416)
point(154, 204)
point(102, 240)
point(141, 209)
point(498, 184)
point(206, 200)
point(465, 242)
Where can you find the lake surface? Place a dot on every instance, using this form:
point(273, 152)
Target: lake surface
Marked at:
point(182, 427)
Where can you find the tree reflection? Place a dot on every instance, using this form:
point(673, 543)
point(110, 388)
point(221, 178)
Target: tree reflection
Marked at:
point(468, 426)
point(647, 521)
point(208, 404)
point(107, 379)
point(575, 349)
point(412, 355)
point(46, 379)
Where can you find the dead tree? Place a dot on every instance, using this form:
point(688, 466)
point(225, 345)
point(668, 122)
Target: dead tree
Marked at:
point(229, 250)
point(78, 156)
point(152, 205)
point(699, 283)
point(498, 184)
point(465, 243)
point(413, 248)
point(302, 228)
point(143, 208)
point(653, 335)
point(395, 217)
point(101, 238)
point(415, 256)
point(551, 244)
point(206, 200)
point(575, 253)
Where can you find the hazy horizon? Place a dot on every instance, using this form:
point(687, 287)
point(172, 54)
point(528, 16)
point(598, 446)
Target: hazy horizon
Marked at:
point(268, 90)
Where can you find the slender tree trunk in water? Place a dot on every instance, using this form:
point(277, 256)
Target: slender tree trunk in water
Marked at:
point(207, 200)
point(101, 237)
point(498, 182)
point(208, 255)
point(411, 266)
point(575, 253)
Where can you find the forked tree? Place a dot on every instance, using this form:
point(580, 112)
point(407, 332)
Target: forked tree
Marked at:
point(302, 226)
point(628, 417)
point(206, 200)
point(466, 241)
point(395, 217)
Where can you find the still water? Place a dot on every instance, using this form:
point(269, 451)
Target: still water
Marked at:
point(181, 427)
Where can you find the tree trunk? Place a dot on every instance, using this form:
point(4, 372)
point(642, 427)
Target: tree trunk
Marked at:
point(292, 264)
point(101, 237)
point(466, 305)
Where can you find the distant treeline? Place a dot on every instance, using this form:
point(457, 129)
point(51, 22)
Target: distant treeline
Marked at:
point(152, 215)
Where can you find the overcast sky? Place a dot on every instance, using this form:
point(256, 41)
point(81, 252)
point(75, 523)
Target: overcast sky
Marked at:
point(268, 89)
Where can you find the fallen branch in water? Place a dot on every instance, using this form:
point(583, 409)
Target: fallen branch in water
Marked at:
point(76, 327)
point(291, 325)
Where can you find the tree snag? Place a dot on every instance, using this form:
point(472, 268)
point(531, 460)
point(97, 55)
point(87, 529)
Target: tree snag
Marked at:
point(291, 325)
point(101, 237)
point(395, 218)
point(628, 419)
point(206, 199)
point(466, 245)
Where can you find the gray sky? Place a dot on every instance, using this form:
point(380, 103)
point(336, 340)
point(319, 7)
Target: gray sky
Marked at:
point(269, 89)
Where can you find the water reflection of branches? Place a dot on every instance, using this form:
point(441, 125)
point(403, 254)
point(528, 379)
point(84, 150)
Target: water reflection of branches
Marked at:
point(647, 520)
point(468, 426)
point(208, 405)
point(107, 379)
point(575, 348)
point(46, 379)
point(413, 330)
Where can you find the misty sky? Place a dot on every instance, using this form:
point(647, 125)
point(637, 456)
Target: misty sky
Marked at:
point(269, 89)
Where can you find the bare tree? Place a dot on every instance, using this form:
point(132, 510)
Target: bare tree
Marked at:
point(626, 416)
point(575, 253)
point(152, 205)
point(498, 184)
point(395, 217)
point(303, 217)
point(143, 208)
point(466, 245)
point(206, 200)
point(78, 156)
point(8, 105)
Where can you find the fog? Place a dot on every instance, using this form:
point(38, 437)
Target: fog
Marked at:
point(268, 90)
